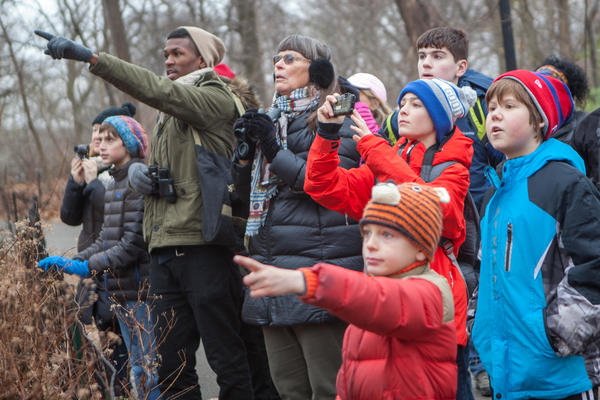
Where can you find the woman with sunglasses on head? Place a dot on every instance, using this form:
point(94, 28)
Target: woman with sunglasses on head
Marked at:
point(286, 228)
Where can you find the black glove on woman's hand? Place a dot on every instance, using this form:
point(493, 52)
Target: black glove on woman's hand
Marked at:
point(60, 47)
point(259, 127)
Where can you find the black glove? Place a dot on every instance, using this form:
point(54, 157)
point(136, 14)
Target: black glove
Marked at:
point(329, 130)
point(60, 47)
point(259, 127)
point(246, 143)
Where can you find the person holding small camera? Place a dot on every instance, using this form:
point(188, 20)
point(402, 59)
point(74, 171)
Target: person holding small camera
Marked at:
point(118, 260)
point(289, 230)
point(83, 204)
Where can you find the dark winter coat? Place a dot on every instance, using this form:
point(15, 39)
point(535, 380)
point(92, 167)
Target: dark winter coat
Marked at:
point(118, 258)
point(300, 233)
point(483, 152)
point(207, 107)
point(84, 204)
point(586, 141)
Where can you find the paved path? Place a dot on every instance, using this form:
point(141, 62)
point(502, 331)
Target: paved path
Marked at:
point(62, 239)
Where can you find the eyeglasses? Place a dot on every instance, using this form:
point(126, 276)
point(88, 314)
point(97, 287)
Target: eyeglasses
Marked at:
point(287, 58)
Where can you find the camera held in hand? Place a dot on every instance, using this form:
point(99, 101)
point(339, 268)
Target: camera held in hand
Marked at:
point(163, 184)
point(344, 105)
point(82, 151)
point(245, 139)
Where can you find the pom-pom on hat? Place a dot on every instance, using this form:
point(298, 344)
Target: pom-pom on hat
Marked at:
point(362, 80)
point(551, 97)
point(132, 133)
point(126, 109)
point(444, 101)
point(412, 209)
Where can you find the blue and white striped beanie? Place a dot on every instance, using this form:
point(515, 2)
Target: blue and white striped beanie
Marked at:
point(444, 101)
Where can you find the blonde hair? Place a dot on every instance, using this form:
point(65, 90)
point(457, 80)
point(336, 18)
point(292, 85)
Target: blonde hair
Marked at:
point(382, 110)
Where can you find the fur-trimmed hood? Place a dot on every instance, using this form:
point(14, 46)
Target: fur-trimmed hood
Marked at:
point(246, 92)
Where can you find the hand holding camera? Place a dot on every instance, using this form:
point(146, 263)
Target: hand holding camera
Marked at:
point(90, 170)
point(77, 170)
point(255, 126)
point(335, 109)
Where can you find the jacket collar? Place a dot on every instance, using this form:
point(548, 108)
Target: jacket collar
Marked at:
point(120, 173)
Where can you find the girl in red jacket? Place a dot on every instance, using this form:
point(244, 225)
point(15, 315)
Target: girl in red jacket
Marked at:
point(401, 343)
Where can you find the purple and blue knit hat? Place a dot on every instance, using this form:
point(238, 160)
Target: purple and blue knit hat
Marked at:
point(444, 101)
point(132, 133)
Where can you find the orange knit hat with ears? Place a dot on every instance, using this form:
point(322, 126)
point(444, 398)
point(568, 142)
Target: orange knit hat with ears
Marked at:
point(412, 209)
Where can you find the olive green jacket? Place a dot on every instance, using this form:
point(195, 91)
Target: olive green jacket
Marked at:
point(208, 107)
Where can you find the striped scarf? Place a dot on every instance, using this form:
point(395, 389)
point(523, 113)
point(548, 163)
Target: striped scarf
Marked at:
point(264, 183)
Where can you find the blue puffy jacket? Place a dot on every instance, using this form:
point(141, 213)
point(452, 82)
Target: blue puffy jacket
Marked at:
point(539, 230)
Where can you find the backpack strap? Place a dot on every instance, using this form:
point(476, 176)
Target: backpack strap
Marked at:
point(477, 118)
point(390, 131)
point(429, 173)
point(239, 107)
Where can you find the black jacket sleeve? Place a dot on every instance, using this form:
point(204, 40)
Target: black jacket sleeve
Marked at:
point(71, 210)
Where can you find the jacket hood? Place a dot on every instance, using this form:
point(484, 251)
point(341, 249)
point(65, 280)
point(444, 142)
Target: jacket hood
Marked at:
point(242, 89)
point(478, 81)
point(524, 167)
point(456, 147)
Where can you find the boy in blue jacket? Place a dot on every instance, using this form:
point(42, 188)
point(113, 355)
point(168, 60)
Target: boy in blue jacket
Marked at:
point(540, 263)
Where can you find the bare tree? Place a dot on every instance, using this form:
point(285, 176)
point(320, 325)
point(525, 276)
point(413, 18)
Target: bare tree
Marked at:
point(251, 58)
point(23, 93)
point(418, 16)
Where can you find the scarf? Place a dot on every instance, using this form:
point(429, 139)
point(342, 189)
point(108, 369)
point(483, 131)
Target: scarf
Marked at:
point(263, 185)
point(188, 80)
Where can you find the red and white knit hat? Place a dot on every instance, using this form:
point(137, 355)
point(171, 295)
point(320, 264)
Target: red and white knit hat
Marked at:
point(551, 97)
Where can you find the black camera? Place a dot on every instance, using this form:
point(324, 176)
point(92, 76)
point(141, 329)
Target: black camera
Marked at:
point(344, 105)
point(82, 150)
point(246, 139)
point(163, 184)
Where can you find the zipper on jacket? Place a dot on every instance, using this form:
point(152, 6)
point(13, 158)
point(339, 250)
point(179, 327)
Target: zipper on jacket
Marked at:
point(509, 239)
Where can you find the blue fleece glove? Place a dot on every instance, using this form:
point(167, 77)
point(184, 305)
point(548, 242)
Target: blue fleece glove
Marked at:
point(58, 263)
point(60, 47)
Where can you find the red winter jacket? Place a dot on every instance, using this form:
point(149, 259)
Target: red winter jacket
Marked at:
point(401, 343)
point(348, 191)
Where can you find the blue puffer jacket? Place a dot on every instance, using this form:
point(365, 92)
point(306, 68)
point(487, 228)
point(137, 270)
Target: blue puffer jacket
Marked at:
point(540, 229)
point(483, 152)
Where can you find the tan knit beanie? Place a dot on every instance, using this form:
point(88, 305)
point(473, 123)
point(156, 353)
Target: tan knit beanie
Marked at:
point(210, 47)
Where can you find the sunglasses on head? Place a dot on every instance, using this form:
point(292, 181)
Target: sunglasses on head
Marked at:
point(287, 58)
